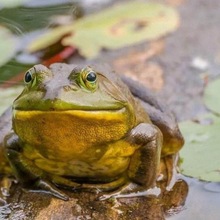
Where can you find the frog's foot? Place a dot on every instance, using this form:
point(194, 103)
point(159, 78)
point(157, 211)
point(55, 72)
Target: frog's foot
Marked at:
point(47, 187)
point(132, 190)
point(170, 176)
point(29, 175)
point(5, 185)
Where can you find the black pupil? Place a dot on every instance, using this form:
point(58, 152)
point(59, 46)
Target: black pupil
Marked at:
point(28, 77)
point(91, 77)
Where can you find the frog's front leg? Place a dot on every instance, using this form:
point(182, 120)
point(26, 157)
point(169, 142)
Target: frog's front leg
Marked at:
point(144, 164)
point(30, 176)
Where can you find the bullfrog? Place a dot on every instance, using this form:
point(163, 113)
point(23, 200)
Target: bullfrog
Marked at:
point(85, 128)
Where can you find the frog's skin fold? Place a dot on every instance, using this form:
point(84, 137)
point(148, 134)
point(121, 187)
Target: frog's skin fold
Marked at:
point(85, 128)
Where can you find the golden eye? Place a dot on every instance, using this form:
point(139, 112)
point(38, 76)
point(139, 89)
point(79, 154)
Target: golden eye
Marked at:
point(88, 79)
point(91, 77)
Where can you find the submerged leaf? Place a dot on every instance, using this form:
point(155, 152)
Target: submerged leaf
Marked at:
point(121, 25)
point(212, 96)
point(8, 45)
point(201, 153)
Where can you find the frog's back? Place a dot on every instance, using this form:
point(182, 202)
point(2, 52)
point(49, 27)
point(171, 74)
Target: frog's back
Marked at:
point(160, 115)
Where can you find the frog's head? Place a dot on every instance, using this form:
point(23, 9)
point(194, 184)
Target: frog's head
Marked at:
point(69, 87)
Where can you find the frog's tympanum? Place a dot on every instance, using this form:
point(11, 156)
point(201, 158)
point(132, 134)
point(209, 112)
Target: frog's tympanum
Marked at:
point(84, 128)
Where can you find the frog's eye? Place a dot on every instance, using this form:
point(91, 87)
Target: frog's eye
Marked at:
point(29, 75)
point(89, 79)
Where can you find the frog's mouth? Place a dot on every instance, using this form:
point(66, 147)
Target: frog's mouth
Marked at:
point(107, 115)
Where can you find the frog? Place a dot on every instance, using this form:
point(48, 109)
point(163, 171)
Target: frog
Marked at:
point(86, 128)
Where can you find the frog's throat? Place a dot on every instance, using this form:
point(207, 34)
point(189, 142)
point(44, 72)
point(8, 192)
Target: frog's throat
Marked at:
point(55, 131)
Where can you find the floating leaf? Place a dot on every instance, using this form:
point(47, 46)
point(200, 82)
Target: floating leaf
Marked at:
point(212, 96)
point(201, 153)
point(26, 19)
point(8, 45)
point(121, 25)
point(12, 72)
point(12, 3)
point(8, 96)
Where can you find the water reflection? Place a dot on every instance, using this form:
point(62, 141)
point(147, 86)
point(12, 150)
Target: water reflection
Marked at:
point(203, 201)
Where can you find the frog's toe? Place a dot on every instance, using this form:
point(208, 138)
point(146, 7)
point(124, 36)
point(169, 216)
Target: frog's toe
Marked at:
point(115, 194)
point(3, 202)
point(46, 187)
point(132, 190)
point(5, 185)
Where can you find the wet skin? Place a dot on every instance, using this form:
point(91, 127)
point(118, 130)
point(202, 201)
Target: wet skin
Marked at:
point(84, 128)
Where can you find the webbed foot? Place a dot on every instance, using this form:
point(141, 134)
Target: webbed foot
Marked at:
point(131, 190)
point(47, 187)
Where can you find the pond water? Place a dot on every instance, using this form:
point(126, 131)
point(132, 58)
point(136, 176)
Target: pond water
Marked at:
point(203, 201)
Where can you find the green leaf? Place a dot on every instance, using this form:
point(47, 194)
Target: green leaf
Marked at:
point(26, 19)
point(12, 69)
point(212, 96)
point(12, 3)
point(8, 45)
point(201, 152)
point(8, 96)
point(116, 27)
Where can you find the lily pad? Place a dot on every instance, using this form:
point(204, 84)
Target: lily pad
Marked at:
point(116, 27)
point(8, 45)
point(12, 3)
point(212, 96)
point(12, 72)
point(8, 96)
point(25, 19)
point(201, 153)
